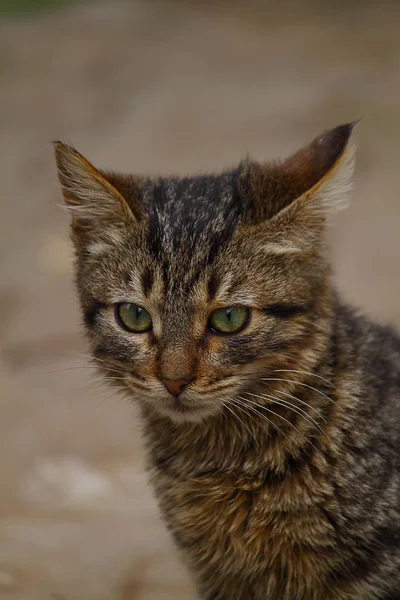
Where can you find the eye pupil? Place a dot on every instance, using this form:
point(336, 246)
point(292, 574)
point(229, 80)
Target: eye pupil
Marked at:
point(231, 319)
point(132, 317)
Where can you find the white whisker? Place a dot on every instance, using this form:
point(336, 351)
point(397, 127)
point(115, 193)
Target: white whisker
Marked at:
point(310, 387)
point(106, 379)
point(305, 373)
point(105, 362)
point(111, 396)
point(79, 367)
point(245, 402)
point(302, 402)
point(242, 422)
point(288, 404)
point(288, 422)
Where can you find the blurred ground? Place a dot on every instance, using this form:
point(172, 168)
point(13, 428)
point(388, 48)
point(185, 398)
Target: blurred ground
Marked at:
point(150, 86)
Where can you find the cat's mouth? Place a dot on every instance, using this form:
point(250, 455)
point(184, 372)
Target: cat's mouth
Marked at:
point(194, 404)
point(189, 406)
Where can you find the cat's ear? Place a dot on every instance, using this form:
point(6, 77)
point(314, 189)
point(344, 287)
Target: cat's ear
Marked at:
point(312, 183)
point(98, 211)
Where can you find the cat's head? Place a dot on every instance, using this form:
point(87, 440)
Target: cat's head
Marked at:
point(195, 289)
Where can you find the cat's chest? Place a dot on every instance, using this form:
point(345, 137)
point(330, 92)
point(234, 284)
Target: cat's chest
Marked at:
point(248, 526)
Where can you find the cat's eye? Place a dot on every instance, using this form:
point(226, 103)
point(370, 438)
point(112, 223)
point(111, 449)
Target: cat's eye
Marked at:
point(230, 319)
point(133, 317)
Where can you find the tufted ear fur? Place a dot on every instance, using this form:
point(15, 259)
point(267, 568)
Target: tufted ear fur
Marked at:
point(98, 210)
point(293, 199)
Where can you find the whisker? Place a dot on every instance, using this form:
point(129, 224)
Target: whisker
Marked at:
point(306, 439)
point(302, 402)
point(297, 410)
point(241, 405)
point(291, 425)
point(106, 362)
point(245, 402)
point(243, 423)
point(310, 387)
point(305, 373)
point(115, 392)
point(295, 397)
point(131, 397)
point(305, 385)
point(288, 404)
point(244, 408)
point(106, 379)
point(81, 367)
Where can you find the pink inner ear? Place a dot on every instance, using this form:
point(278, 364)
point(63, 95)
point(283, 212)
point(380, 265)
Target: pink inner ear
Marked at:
point(309, 165)
point(273, 187)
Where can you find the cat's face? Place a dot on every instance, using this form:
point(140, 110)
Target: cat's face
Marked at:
point(196, 290)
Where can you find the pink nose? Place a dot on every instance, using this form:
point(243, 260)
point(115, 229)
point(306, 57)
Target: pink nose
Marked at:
point(175, 386)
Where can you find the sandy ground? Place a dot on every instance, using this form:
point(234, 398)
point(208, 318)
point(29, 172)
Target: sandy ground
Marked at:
point(148, 86)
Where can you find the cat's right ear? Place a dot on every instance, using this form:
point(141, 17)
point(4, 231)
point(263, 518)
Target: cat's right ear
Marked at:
point(98, 211)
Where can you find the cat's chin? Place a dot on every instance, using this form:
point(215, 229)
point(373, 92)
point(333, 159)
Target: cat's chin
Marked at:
point(180, 412)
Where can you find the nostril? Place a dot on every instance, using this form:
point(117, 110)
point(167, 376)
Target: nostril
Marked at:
point(175, 386)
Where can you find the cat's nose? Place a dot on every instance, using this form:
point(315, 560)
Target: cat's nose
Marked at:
point(175, 386)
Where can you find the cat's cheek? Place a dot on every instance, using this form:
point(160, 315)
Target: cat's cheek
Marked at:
point(214, 349)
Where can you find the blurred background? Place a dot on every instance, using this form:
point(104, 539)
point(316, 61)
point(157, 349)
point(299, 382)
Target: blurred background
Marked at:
point(147, 86)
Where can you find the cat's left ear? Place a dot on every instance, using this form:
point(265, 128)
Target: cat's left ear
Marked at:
point(308, 186)
point(98, 211)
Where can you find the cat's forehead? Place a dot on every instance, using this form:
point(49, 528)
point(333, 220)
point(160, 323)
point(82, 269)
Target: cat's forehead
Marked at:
point(193, 215)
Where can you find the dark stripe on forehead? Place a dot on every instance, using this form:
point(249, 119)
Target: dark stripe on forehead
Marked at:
point(159, 194)
point(147, 281)
point(213, 284)
point(192, 216)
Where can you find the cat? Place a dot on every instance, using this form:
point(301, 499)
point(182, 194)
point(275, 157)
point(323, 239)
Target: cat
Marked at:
point(271, 409)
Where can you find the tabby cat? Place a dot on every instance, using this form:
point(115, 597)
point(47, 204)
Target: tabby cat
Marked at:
point(271, 410)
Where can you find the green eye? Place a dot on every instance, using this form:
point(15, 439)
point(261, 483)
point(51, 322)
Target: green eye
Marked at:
point(133, 317)
point(229, 320)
